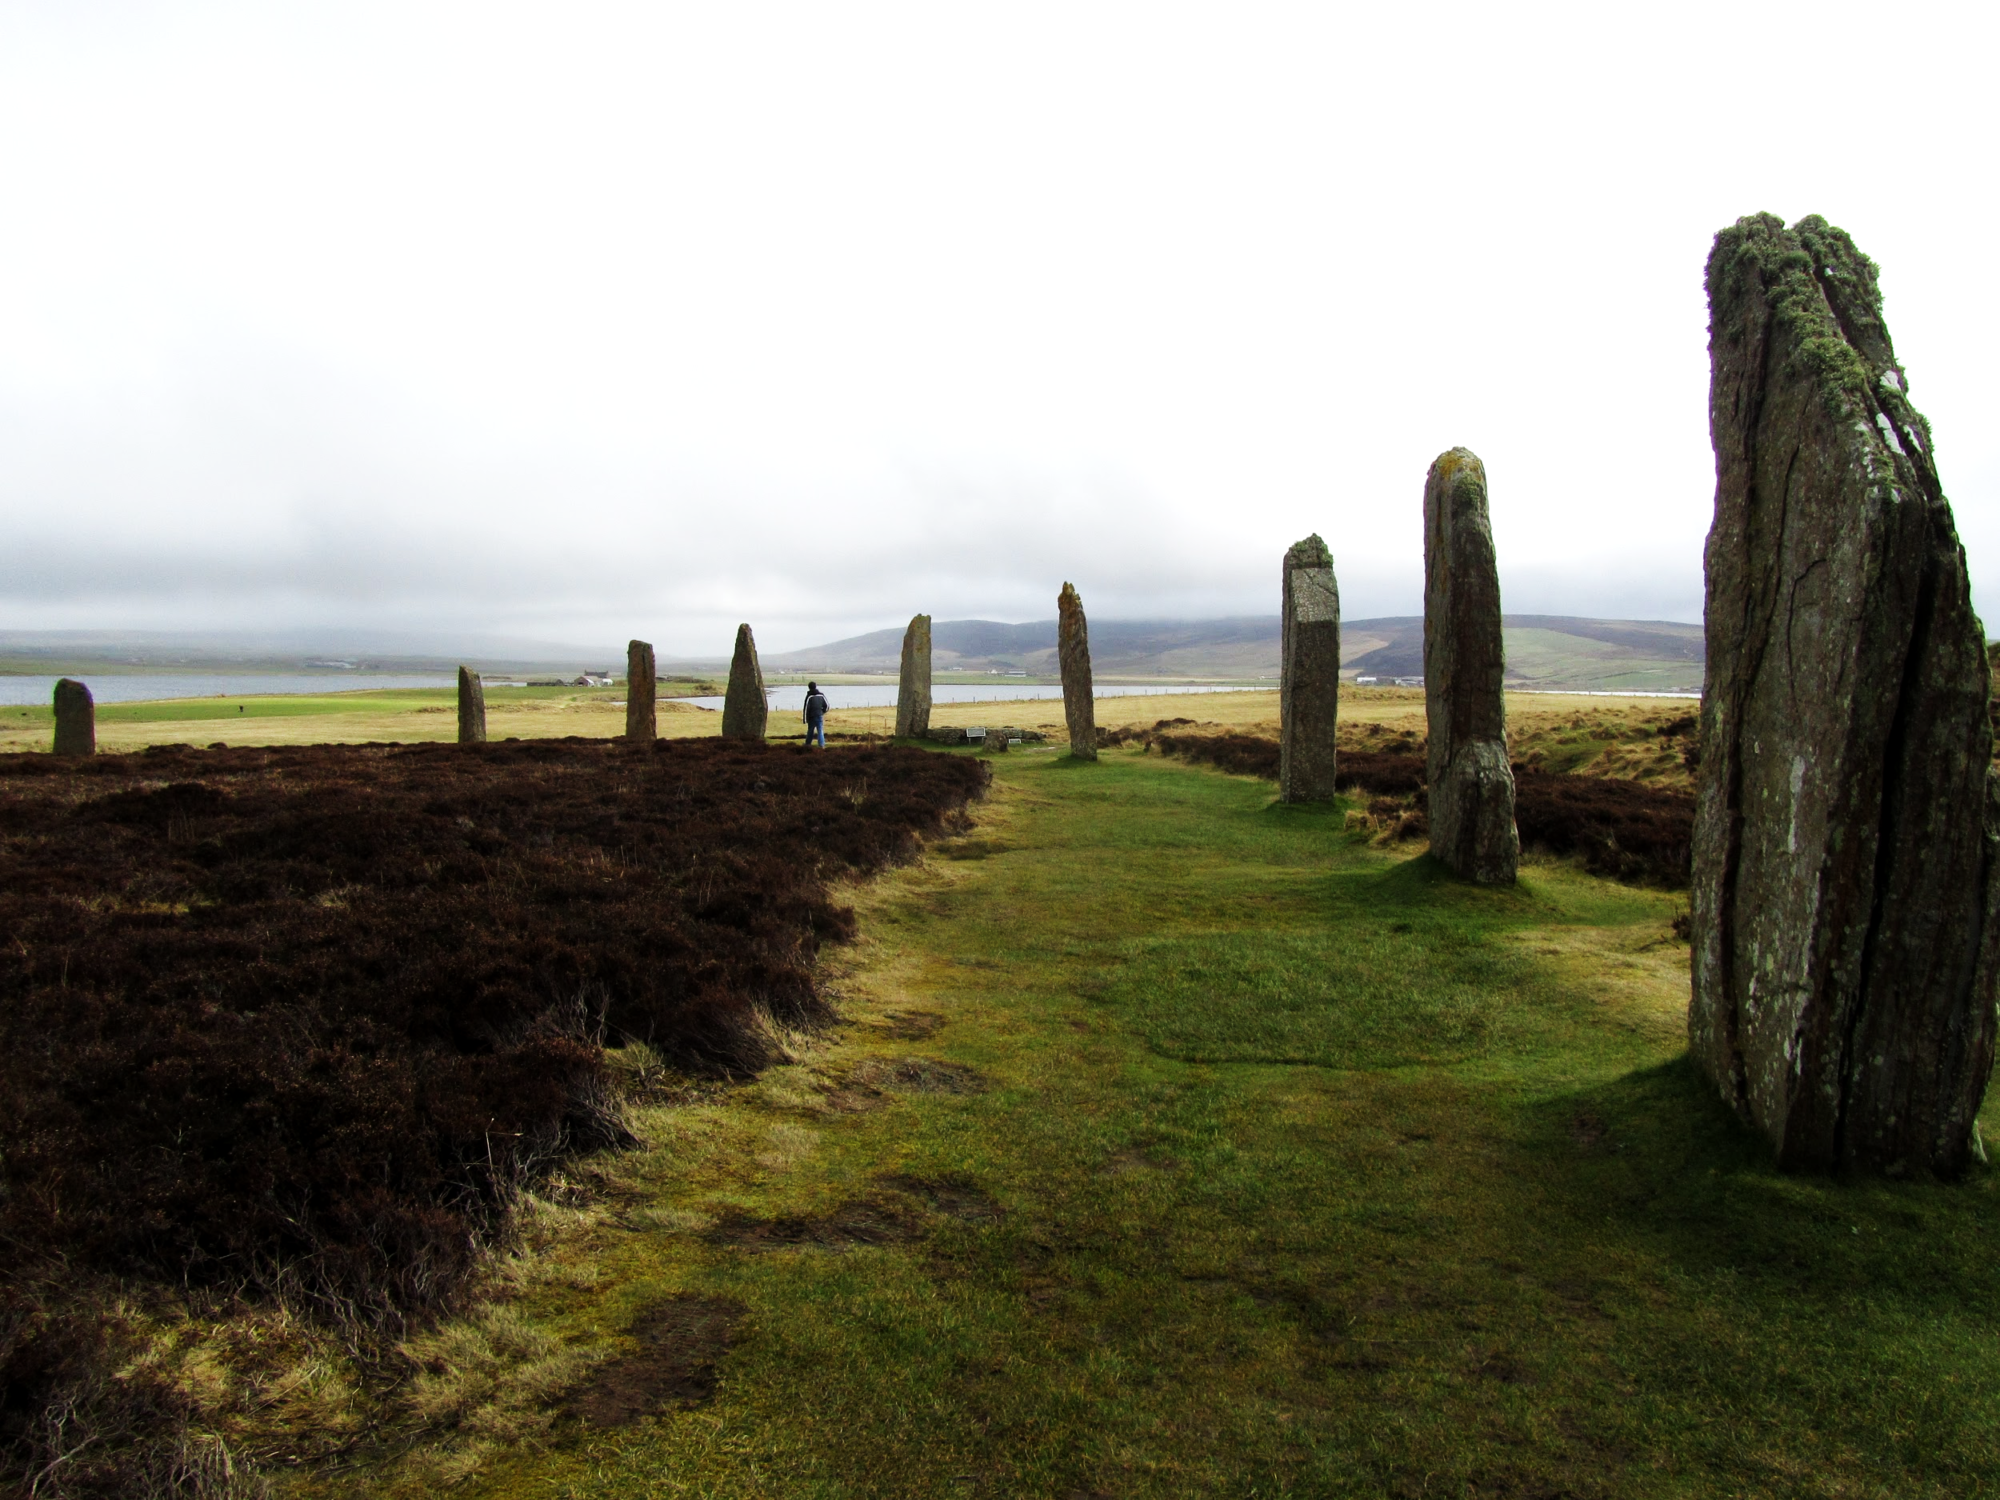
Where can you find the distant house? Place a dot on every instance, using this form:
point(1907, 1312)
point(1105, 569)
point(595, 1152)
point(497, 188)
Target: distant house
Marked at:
point(1366, 681)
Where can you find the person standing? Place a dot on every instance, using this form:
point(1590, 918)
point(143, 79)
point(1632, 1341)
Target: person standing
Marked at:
point(816, 706)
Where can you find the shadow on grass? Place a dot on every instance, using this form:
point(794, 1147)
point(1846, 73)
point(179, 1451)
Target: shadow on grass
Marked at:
point(1656, 1154)
point(1837, 1320)
point(1064, 761)
point(1332, 811)
point(1421, 886)
point(1626, 1250)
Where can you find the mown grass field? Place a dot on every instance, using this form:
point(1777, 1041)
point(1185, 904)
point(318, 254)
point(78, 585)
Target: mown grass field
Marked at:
point(404, 715)
point(1179, 1143)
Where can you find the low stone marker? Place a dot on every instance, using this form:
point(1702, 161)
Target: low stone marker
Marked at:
point(746, 709)
point(1073, 654)
point(952, 734)
point(76, 719)
point(913, 690)
point(471, 708)
point(1471, 783)
point(1309, 674)
point(1845, 924)
point(642, 686)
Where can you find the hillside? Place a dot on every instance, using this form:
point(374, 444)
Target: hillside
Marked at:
point(41, 652)
point(1543, 651)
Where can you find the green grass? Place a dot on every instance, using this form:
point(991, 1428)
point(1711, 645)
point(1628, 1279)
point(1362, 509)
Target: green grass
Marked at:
point(1316, 1173)
point(309, 705)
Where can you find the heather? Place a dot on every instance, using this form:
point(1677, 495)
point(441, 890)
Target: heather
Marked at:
point(301, 1023)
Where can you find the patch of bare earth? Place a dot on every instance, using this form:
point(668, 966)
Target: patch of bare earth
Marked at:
point(911, 1025)
point(916, 1075)
point(902, 1210)
point(681, 1344)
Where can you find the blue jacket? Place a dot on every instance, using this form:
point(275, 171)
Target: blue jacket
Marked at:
point(815, 707)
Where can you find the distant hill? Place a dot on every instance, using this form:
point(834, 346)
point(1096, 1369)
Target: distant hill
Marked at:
point(41, 652)
point(1543, 651)
point(1548, 651)
point(1242, 647)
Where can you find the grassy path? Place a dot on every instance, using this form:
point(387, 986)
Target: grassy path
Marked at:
point(1181, 1144)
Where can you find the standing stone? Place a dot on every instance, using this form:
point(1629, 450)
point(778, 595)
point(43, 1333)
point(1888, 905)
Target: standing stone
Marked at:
point(1309, 681)
point(471, 708)
point(76, 719)
point(913, 693)
point(641, 688)
point(1471, 783)
point(1073, 652)
point(745, 707)
point(1846, 819)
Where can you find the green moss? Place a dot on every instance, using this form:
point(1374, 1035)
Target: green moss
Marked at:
point(1787, 265)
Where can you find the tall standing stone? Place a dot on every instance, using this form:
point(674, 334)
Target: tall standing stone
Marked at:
point(913, 692)
point(745, 707)
point(642, 686)
point(1073, 654)
point(471, 708)
point(1309, 680)
point(1846, 819)
point(76, 719)
point(1471, 782)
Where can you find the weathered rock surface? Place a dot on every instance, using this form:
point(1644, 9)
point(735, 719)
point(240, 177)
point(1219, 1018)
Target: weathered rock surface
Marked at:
point(642, 687)
point(76, 719)
point(913, 691)
point(1846, 822)
point(1073, 654)
point(1309, 673)
point(1471, 782)
point(746, 707)
point(471, 708)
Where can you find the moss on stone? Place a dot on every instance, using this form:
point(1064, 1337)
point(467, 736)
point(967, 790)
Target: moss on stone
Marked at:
point(1788, 265)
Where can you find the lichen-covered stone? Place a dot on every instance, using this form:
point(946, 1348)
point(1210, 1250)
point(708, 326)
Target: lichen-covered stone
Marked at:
point(1073, 654)
point(471, 708)
point(913, 690)
point(1471, 783)
point(76, 719)
point(642, 687)
point(1846, 824)
point(746, 707)
point(1309, 674)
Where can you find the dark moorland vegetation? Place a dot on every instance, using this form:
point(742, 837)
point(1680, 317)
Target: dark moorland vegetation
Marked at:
point(301, 1022)
point(1618, 827)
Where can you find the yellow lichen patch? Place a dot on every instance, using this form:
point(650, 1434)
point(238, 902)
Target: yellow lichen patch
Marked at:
point(491, 1379)
point(1638, 975)
point(786, 1145)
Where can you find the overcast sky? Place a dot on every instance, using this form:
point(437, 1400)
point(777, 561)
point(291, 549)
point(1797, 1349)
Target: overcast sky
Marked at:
point(588, 321)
